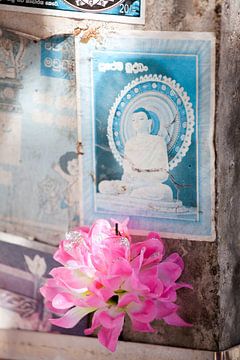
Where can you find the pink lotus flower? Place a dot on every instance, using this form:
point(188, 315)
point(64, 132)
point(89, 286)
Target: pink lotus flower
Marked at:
point(103, 273)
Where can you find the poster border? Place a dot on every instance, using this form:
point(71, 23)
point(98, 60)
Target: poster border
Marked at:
point(167, 35)
point(81, 15)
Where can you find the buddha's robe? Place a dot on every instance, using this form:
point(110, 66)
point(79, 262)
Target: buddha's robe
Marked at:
point(145, 168)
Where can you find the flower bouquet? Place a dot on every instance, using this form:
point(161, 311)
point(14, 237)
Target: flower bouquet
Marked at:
point(105, 274)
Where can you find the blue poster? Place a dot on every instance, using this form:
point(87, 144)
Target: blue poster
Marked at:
point(146, 118)
point(39, 172)
point(123, 11)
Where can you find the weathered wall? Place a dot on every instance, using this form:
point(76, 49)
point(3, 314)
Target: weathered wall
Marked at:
point(202, 306)
point(181, 15)
point(228, 174)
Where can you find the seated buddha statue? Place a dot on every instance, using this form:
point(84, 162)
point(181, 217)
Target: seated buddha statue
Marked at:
point(145, 162)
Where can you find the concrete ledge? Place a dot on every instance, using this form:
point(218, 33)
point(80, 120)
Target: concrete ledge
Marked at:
point(28, 345)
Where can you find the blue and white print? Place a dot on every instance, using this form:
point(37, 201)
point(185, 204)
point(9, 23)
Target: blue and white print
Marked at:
point(164, 100)
point(39, 171)
point(146, 124)
point(123, 11)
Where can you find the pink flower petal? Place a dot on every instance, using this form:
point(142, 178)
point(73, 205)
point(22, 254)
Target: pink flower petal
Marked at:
point(169, 294)
point(52, 309)
point(95, 323)
point(176, 259)
point(72, 317)
point(165, 309)
point(153, 235)
point(175, 320)
point(109, 337)
point(149, 277)
point(136, 263)
point(50, 289)
point(101, 292)
point(153, 253)
point(111, 283)
point(99, 231)
point(144, 312)
point(133, 284)
point(158, 290)
point(91, 301)
point(121, 267)
point(142, 327)
point(127, 298)
point(61, 255)
point(169, 272)
point(71, 279)
point(62, 301)
point(110, 321)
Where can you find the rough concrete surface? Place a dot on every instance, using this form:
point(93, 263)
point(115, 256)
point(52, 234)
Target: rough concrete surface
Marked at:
point(206, 263)
point(228, 175)
point(181, 15)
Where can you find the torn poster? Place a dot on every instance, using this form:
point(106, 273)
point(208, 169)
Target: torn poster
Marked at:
point(38, 136)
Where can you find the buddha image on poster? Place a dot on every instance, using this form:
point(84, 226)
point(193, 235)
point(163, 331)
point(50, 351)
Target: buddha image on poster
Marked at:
point(151, 122)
